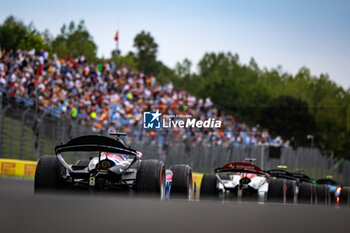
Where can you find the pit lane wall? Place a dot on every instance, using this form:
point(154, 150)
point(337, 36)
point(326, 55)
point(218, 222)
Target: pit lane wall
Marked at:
point(15, 167)
point(24, 168)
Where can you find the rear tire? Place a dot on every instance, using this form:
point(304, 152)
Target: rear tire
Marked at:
point(291, 191)
point(181, 186)
point(322, 194)
point(150, 178)
point(314, 194)
point(333, 199)
point(344, 197)
point(277, 190)
point(305, 195)
point(208, 186)
point(48, 174)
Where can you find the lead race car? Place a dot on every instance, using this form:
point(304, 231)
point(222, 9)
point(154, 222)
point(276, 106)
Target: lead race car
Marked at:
point(111, 165)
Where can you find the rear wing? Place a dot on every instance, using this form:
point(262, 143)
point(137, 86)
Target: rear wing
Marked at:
point(95, 143)
point(241, 167)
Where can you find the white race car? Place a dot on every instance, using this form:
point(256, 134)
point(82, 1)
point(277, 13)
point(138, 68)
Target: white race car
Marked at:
point(242, 180)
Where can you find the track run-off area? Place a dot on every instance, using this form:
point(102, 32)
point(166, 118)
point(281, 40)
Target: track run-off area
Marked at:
point(23, 211)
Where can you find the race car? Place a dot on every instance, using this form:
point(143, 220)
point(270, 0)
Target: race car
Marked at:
point(301, 188)
point(244, 181)
point(109, 164)
point(338, 194)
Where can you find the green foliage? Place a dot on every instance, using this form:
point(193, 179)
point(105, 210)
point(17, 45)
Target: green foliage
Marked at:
point(288, 117)
point(273, 98)
point(230, 85)
point(15, 35)
point(74, 41)
point(146, 52)
point(128, 60)
point(183, 70)
point(166, 75)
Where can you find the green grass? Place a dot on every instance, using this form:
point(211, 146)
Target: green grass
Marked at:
point(17, 146)
point(17, 177)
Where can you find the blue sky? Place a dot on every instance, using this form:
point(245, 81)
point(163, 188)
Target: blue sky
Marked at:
point(313, 33)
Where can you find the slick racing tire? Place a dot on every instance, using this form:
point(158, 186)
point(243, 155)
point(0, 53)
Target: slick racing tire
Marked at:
point(150, 178)
point(181, 186)
point(305, 195)
point(322, 194)
point(48, 174)
point(332, 199)
point(344, 197)
point(208, 186)
point(314, 194)
point(291, 191)
point(277, 190)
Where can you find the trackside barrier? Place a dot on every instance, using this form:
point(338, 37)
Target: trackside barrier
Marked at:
point(14, 167)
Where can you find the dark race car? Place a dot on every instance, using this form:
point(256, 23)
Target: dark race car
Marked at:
point(301, 188)
point(339, 194)
point(110, 165)
point(312, 192)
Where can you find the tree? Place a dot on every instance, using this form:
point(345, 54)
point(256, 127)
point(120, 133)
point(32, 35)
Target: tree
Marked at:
point(15, 35)
point(288, 117)
point(128, 60)
point(183, 70)
point(75, 41)
point(146, 52)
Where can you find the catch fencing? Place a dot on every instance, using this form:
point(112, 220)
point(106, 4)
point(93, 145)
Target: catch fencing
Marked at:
point(26, 133)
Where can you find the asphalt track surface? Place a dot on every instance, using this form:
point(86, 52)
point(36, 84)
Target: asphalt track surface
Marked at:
point(23, 211)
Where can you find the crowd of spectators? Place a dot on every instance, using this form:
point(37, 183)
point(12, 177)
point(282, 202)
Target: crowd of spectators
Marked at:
point(107, 96)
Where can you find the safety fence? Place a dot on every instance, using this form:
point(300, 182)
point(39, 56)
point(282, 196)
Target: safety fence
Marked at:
point(26, 133)
point(309, 161)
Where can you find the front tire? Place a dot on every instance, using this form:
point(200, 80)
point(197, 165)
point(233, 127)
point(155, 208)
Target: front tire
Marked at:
point(208, 186)
point(181, 186)
point(48, 174)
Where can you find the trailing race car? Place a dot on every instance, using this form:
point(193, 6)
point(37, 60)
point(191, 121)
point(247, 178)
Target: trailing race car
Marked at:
point(112, 165)
point(301, 188)
point(242, 180)
point(291, 183)
point(338, 194)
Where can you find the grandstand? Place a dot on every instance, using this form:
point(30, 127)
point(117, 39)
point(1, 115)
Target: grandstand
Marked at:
point(109, 96)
